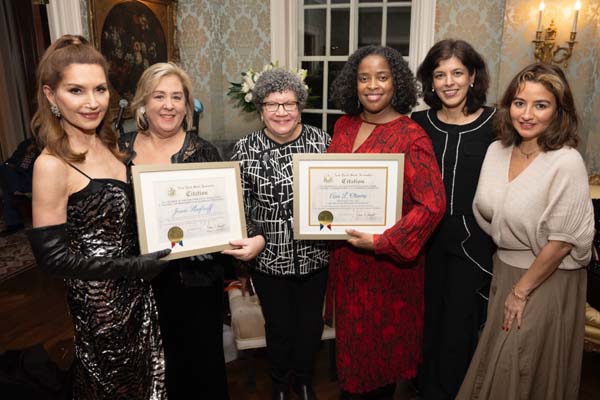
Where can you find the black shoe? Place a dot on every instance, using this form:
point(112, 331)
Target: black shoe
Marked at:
point(10, 229)
point(305, 392)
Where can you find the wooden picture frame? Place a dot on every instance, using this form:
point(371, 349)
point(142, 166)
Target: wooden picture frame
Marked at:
point(132, 35)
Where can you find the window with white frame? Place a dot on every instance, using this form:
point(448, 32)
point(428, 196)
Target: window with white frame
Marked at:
point(320, 35)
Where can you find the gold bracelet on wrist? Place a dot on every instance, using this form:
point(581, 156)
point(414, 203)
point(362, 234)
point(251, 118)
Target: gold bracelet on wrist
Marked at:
point(521, 298)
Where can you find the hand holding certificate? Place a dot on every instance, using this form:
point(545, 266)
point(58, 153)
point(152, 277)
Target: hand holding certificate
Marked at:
point(193, 208)
point(335, 192)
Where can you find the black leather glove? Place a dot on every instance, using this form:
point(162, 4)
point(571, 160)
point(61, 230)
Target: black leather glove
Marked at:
point(52, 254)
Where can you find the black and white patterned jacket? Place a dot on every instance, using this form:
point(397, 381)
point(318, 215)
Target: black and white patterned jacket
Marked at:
point(267, 181)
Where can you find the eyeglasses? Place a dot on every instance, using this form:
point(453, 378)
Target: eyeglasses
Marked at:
point(274, 107)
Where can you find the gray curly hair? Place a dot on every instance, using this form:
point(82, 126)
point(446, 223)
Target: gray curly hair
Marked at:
point(278, 80)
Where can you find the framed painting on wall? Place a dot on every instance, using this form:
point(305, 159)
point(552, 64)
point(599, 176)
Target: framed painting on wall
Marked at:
point(132, 35)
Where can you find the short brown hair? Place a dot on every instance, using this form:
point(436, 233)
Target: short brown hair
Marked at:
point(471, 59)
point(149, 81)
point(562, 131)
point(46, 128)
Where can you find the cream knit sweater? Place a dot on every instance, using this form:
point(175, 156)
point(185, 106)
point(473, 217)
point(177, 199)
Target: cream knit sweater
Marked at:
point(549, 200)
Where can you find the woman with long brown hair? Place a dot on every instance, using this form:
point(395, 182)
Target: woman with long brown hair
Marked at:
point(84, 229)
point(533, 200)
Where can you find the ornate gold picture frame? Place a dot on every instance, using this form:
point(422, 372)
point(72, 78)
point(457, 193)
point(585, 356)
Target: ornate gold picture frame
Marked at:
point(132, 35)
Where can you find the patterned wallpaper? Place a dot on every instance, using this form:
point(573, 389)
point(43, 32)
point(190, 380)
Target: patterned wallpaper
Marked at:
point(218, 40)
point(83, 5)
point(587, 70)
point(483, 30)
point(198, 25)
point(510, 27)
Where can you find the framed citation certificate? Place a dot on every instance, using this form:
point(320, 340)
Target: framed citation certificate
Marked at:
point(193, 208)
point(334, 192)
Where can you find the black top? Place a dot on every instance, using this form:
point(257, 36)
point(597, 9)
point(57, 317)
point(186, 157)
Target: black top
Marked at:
point(23, 157)
point(459, 150)
point(194, 149)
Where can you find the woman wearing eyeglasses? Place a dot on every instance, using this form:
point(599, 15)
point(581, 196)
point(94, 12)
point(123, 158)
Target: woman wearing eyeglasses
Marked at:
point(290, 276)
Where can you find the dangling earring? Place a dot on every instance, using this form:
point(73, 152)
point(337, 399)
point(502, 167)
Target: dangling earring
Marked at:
point(55, 111)
point(471, 84)
point(432, 89)
point(143, 121)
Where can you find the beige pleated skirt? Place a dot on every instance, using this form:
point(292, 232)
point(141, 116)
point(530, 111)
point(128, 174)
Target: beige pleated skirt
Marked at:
point(540, 361)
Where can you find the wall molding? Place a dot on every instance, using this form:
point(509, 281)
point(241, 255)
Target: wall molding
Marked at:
point(64, 16)
point(284, 32)
point(422, 31)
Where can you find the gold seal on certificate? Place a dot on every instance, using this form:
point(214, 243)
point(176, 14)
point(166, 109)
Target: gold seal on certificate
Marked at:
point(362, 191)
point(325, 219)
point(175, 236)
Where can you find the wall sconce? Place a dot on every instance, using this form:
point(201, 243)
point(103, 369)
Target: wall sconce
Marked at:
point(546, 50)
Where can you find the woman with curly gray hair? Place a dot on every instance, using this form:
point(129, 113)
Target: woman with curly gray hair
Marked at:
point(376, 281)
point(290, 276)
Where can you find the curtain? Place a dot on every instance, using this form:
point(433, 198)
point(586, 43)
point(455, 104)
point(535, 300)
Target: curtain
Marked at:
point(14, 108)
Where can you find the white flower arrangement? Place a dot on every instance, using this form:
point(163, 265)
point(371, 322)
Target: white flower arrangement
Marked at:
point(242, 91)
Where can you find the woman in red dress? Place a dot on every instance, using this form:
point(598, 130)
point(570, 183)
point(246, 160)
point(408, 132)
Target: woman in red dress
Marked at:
point(376, 281)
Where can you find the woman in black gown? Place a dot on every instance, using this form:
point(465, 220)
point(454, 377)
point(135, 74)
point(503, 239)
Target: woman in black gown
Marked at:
point(84, 229)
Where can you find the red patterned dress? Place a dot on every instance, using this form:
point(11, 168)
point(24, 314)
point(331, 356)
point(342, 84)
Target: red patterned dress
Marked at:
point(378, 296)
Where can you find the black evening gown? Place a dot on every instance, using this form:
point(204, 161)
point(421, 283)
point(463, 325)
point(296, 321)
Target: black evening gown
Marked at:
point(118, 349)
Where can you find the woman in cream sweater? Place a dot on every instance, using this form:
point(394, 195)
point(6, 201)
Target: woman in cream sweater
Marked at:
point(533, 200)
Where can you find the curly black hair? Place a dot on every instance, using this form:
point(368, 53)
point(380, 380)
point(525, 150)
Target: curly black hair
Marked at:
point(343, 88)
point(471, 59)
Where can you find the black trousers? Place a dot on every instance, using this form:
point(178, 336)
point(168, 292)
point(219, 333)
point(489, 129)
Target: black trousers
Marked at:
point(191, 324)
point(454, 310)
point(293, 311)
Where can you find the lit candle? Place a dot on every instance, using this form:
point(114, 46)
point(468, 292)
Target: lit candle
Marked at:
point(577, 7)
point(541, 8)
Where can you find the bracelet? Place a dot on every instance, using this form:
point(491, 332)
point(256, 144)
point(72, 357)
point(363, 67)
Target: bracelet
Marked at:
point(521, 298)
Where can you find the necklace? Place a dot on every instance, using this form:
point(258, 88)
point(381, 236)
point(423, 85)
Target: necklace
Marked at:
point(383, 120)
point(369, 122)
point(527, 155)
